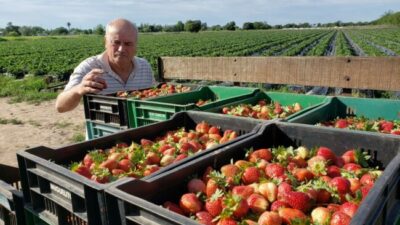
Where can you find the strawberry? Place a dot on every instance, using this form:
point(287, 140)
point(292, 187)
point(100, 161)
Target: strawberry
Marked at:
point(230, 170)
point(365, 190)
point(196, 185)
point(327, 154)
point(349, 156)
point(341, 184)
point(180, 157)
point(270, 218)
point(81, 169)
point(333, 207)
point(190, 204)
point(149, 169)
point(302, 174)
point(341, 123)
point(251, 175)
point(166, 160)
point(117, 172)
point(146, 142)
point(349, 208)
point(353, 167)
point(323, 196)
point(260, 154)
point(289, 214)
point(173, 207)
point(211, 187)
point(321, 215)
point(333, 171)
point(204, 217)
point(298, 200)
point(109, 164)
point(202, 127)
point(227, 221)
point(368, 179)
point(340, 218)
point(214, 207)
point(125, 165)
point(243, 191)
point(214, 130)
point(274, 170)
point(269, 190)
point(355, 184)
point(88, 160)
point(257, 203)
point(276, 205)
point(283, 189)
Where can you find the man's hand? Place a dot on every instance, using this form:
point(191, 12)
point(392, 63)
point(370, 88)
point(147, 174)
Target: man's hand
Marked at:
point(92, 82)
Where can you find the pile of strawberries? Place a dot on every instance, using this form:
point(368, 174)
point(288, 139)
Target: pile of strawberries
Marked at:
point(280, 186)
point(164, 89)
point(201, 102)
point(262, 110)
point(139, 160)
point(364, 124)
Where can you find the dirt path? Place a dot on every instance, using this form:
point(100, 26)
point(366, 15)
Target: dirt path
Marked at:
point(39, 125)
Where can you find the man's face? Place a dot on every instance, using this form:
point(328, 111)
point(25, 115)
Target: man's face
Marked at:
point(121, 46)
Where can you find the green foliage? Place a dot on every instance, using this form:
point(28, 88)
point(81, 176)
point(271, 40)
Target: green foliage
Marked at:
point(99, 30)
point(27, 89)
point(390, 17)
point(193, 25)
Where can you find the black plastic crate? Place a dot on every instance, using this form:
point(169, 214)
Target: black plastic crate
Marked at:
point(111, 109)
point(56, 192)
point(138, 201)
point(11, 199)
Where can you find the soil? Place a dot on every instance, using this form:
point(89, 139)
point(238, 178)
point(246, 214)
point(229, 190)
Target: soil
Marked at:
point(26, 125)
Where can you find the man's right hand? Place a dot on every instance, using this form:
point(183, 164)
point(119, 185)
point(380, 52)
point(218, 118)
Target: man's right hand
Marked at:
point(92, 82)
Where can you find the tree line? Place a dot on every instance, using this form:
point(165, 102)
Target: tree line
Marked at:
point(188, 26)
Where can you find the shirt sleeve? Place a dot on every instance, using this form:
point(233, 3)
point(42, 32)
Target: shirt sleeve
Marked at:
point(79, 72)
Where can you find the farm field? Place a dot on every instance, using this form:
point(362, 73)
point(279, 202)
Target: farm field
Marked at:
point(59, 55)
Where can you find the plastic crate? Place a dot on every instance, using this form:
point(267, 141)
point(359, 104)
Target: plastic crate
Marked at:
point(32, 217)
point(139, 201)
point(110, 109)
point(96, 129)
point(348, 106)
point(307, 102)
point(58, 194)
point(144, 112)
point(11, 199)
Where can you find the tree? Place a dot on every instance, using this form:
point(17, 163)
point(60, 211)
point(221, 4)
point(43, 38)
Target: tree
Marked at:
point(230, 26)
point(193, 25)
point(204, 26)
point(248, 26)
point(11, 28)
point(179, 26)
point(59, 31)
point(99, 30)
point(216, 27)
point(261, 26)
point(69, 25)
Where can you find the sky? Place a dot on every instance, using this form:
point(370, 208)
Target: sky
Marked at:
point(85, 14)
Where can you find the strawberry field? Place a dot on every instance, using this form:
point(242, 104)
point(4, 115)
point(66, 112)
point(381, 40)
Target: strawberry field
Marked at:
point(59, 55)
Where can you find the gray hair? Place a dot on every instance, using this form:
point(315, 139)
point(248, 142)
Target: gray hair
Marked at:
point(112, 23)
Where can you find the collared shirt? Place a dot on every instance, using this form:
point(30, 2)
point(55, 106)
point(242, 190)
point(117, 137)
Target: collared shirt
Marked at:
point(140, 78)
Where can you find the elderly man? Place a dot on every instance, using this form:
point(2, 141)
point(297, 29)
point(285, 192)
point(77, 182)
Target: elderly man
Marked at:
point(114, 70)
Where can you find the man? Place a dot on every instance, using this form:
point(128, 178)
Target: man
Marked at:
point(116, 69)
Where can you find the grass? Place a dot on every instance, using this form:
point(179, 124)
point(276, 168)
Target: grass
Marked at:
point(10, 121)
point(78, 137)
point(29, 89)
point(62, 124)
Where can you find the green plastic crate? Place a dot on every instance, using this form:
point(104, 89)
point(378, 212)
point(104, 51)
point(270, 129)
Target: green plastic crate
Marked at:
point(348, 106)
point(96, 129)
point(307, 102)
point(33, 218)
point(144, 112)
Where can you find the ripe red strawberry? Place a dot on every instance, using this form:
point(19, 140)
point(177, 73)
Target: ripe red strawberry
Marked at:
point(263, 153)
point(241, 208)
point(327, 154)
point(211, 187)
point(283, 189)
point(269, 190)
point(365, 190)
point(341, 123)
point(251, 175)
point(205, 218)
point(333, 171)
point(227, 221)
point(196, 185)
point(341, 184)
point(355, 185)
point(349, 208)
point(276, 205)
point(257, 203)
point(190, 204)
point(150, 169)
point(386, 126)
point(243, 191)
point(349, 156)
point(340, 218)
point(302, 174)
point(321, 215)
point(274, 170)
point(125, 165)
point(173, 207)
point(82, 170)
point(145, 142)
point(88, 160)
point(298, 200)
point(353, 167)
point(214, 130)
point(230, 170)
point(180, 157)
point(323, 196)
point(202, 127)
point(110, 164)
point(117, 172)
point(289, 214)
point(396, 132)
point(214, 207)
point(333, 207)
point(368, 179)
point(269, 218)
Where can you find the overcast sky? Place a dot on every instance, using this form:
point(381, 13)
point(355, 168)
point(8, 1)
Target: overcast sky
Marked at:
point(89, 13)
